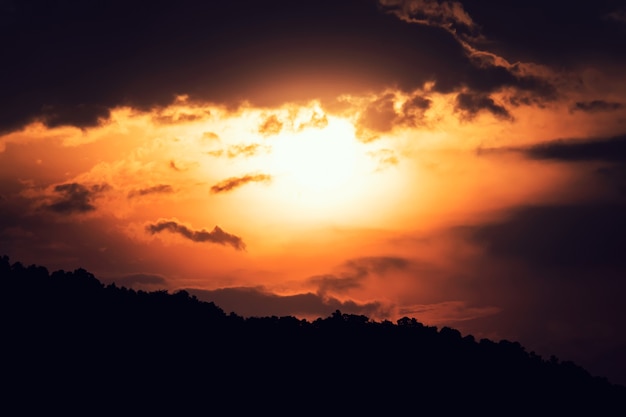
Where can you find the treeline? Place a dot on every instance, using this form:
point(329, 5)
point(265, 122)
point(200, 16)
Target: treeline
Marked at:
point(70, 342)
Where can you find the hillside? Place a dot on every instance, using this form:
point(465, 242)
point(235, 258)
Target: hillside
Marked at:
point(72, 344)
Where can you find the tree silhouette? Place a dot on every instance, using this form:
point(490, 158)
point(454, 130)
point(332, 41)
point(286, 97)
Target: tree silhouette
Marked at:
point(71, 343)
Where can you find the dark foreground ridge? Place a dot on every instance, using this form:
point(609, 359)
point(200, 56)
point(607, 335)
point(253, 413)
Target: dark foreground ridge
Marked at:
point(76, 346)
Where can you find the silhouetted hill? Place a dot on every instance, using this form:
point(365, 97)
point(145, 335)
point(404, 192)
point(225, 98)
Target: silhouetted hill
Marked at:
point(73, 345)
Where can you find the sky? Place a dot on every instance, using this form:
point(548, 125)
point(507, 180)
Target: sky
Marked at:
point(462, 163)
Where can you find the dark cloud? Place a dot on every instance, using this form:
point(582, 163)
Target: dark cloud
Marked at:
point(336, 284)
point(448, 15)
point(489, 71)
point(380, 115)
point(567, 237)
point(564, 34)
point(469, 105)
point(596, 106)
point(75, 198)
point(600, 165)
point(611, 149)
point(256, 302)
point(377, 264)
point(157, 189)
point(354, 271)
point(69, 62)
point(557, 272)
point(217, 235)
point(235, 182)
point(413, 110)
point(79, 115)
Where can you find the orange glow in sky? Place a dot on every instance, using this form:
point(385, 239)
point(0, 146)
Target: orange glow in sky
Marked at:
point(390, 158)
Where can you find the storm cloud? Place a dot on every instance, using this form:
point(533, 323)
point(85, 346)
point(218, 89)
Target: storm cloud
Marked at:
point(275, 47)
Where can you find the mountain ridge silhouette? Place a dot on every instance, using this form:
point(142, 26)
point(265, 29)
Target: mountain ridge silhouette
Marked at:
point(73, 343)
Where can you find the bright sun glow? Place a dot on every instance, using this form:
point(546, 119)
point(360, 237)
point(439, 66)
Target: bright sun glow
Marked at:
point(315, 160)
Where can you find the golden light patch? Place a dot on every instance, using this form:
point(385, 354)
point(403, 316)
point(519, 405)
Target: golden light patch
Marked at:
point(317, 160)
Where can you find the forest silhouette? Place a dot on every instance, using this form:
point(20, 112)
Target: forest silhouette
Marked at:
point(75, 345)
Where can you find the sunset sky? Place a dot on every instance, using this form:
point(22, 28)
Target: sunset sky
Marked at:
point(463, 163)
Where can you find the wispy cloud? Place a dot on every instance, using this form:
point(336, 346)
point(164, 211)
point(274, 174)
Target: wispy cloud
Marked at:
point(317, 121)
point(157, 189)
point(385, 158)
point(470, 105)
point(234, 182)
point(449, 15)
point(355, 271)
point(217, 235)
point(235, 151)
point(596, 106)
point(599, 149)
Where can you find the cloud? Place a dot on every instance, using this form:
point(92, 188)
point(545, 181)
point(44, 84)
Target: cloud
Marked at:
point(449, 15)
point(325, 283)
point(317, 121)
point(564, 34)
point(379, 115)
point(470, 104)
point(596, 106)
point(217, 153)
point(414, 108)
point(217, 235)
point(180, 117)
point(235, 182)
point(487, 70)
point(235, 151)
point(611, 149)
point(174, 167)
point(80, 115)
point(270, 126)
point(377, 264)
point(157, 189)
point(243, 150)
point(355, 271)
point(256, 302)
point(269, 63)
point(560, 236)
point(385, 158)
point(75, 198)
point(210, 136)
